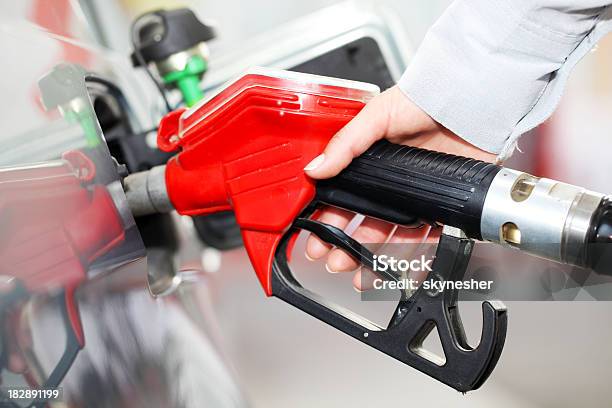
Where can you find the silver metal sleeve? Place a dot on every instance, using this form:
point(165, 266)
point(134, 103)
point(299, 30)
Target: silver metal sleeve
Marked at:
point(118, 194)
point(146, 192)
point(540, 216)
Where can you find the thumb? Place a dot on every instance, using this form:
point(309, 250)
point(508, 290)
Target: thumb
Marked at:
point(367, 127)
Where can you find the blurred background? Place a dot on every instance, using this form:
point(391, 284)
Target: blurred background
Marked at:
point(266, 353)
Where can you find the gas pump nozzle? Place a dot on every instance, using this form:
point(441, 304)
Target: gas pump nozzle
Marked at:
point(245, 150)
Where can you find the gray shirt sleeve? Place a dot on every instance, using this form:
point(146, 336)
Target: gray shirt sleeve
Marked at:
point(490, 70)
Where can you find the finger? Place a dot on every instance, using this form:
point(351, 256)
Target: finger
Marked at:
point(364, 279)
point(405, 241)
point(434, 235)
point(372, 231)
point(315, 247)
point(353, 139)
point(404, 235)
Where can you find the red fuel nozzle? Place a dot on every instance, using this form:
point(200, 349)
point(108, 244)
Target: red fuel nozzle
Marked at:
point(246, 148)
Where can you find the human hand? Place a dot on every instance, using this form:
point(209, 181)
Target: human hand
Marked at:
point(392, 116)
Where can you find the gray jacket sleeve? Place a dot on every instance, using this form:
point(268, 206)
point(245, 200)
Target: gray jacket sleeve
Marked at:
point(490, 70)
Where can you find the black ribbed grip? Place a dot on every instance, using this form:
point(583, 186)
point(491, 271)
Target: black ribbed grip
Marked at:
point(403, 184)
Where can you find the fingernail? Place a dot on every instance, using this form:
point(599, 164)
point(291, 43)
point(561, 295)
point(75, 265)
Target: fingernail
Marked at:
point(316, 162)
point(330, 270)
point(310, 258)
point(357, 289)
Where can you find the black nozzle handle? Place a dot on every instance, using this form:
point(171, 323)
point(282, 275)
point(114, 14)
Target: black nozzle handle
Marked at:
point(404, 184)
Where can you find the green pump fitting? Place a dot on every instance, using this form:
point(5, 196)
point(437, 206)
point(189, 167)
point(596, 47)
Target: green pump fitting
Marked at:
point(80, 112)
point(188, 79)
